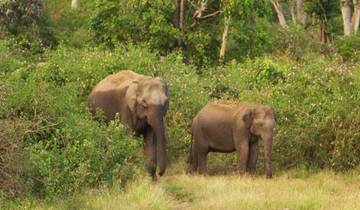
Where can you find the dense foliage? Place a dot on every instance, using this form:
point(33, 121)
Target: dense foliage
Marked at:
point(66, 148)
point(152, 23)
point(316, 102)
point(135, 21)
point(17, 16)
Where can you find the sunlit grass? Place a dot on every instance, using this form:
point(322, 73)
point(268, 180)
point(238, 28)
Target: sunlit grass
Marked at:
point(290, 190)
point(320, 191)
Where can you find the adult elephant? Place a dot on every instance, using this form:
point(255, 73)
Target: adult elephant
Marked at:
point(228, 127)
point(142, 102)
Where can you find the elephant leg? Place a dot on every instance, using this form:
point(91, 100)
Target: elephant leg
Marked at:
point(202, 153)
point(150, 151)
point(253, 157)
point(243, 155)
point(193, 158)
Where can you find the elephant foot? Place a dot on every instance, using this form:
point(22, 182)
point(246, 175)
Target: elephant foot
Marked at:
point(242, 172)
point(152, 172)
point(269, 176)
point(154, 178)
point(246, 174)
point(161, 173)
point(251, 172)
point(191, 170)
point(201, 173)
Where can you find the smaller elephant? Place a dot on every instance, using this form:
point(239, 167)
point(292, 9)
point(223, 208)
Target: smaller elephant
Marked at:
point(142, 103)
point(229, 126)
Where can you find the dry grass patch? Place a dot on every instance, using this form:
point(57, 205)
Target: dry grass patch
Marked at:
point(324, 190)
point(142, 194)
point(321, 191)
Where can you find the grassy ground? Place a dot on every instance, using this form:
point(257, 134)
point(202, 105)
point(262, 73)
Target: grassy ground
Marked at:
point(291, 190)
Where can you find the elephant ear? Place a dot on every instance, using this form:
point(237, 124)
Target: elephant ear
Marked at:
point(248, 117)
point(131, 95)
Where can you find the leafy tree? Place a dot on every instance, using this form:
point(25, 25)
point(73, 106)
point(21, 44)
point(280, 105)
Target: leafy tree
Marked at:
point(250, 27)
point(323, 11)
point(21, 15)
point(198, 33)
point(25, 19)
point(136, 21)
point(351, 17)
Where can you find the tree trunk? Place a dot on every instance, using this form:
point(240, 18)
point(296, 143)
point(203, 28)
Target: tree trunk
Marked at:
point(280, 13)
point(181, 16)
point(300, 13)
point(74, 4)
point(346, 15)
point(292, 5)
point(175, 18)
point(178, 18)
point(356, 16)
point(224, 38)
point(323, 32)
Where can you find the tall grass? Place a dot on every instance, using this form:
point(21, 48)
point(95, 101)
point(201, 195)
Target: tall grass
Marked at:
point(296, 189)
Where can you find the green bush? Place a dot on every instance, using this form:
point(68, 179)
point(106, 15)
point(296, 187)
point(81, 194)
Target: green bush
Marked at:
point(349, 47)
point(12, 156)
point(251, 39)
point(10, 61)
point(316, 103)
point(26, 21)
point(67, 149)
point(68, 26)
point(296, 42)
point(18, 16)
point(313, 101)
point(134, 21)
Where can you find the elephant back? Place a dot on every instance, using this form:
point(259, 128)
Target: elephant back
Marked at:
point(109, 92)
point(117, 81)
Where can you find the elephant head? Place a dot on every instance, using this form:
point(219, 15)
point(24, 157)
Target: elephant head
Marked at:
point(148, 101)
point(262, 122)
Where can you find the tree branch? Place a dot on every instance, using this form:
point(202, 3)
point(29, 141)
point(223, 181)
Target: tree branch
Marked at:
point(209, 15)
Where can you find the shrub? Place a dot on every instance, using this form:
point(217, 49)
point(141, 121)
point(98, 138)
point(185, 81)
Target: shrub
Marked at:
point(11, 156)
point(67, 150)
point(134, 21)
point(296, 42)
point(20, 15)
point(316, 103)
point(348, 47)
point(313, 101)
point(10, 61)
point(26, 21)
point(249, 39)
point(66, 147)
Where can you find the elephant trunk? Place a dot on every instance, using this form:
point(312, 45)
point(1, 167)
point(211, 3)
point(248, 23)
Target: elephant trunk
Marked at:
point(157, 123)
point(267, 154)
